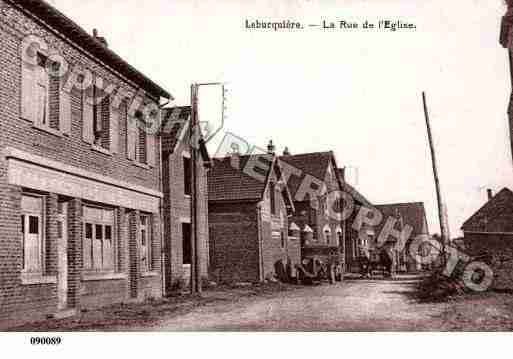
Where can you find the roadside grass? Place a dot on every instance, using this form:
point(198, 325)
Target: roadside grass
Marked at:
point(466, 310)
point(125, 315)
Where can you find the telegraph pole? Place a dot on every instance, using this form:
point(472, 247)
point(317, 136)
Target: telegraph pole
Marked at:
point(195, 141)
point(443, 231)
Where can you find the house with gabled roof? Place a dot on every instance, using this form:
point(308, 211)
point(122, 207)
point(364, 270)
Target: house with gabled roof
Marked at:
point(405, 214)
point(315, 185)
point(489, 233)
point(249, 205)
point(356, 241)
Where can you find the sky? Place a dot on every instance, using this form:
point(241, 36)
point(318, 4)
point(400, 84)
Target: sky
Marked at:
point(355, 92)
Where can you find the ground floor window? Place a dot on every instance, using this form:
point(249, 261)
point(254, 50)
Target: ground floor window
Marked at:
point(32, 233)
point(98, 243)
point(146, 248)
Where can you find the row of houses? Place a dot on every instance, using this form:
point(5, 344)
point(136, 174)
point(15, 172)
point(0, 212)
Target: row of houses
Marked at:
point(95, 209)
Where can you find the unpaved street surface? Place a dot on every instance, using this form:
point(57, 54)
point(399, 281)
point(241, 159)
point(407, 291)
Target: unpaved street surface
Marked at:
point(359, 305)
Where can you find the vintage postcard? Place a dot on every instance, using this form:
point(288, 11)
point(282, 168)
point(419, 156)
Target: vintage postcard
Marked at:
point(265, 166)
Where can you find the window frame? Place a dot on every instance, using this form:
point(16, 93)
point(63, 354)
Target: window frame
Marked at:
point(148, 247)
point(187, 175)
point(103, 224)
point(26, 215)
point(272, 199)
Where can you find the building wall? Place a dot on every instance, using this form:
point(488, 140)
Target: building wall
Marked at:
point(177, 210)
point(234, 246)
point(500, 248)
point(277, 247)
point(18, 301)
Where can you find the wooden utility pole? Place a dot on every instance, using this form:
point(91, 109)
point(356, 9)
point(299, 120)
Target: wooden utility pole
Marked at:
point(193, 140)
point(443, 232)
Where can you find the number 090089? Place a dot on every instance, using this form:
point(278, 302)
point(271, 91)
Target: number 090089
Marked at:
point(45, 340)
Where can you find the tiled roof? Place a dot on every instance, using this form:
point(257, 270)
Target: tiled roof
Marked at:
point(495, 216)
point(172, 131)
point(53, 17)
point(313, 164)
point(227, 180)
point(349, 189)
point(413, 214)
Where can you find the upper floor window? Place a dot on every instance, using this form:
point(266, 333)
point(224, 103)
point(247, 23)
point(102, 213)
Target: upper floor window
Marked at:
point(187, 175)
point(141, 137)
point(101, 120)
point(99, 238)
point(44, 102)
point(32, 230)
point(272, 192)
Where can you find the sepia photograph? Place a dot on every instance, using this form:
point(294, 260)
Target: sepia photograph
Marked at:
point(292, 166)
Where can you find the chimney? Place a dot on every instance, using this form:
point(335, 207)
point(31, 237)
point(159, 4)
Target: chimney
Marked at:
point(271, 149)
point(100, 39)
point(286, 151)
point(343, 174)
point(235, 156)
point(490, 193)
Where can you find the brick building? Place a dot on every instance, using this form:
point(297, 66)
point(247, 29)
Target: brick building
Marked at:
point(177, 187)
point(249, 207)
point(315, 185)
point(356, 241)
point(405, 214)
point(489, 233)
point(80, 188)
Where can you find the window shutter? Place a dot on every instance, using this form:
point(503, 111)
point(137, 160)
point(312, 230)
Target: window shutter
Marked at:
point(28, 91)
point(65, 110)
point(87, 117)
point(131, 137)
point(114, 129)
point(151, 142)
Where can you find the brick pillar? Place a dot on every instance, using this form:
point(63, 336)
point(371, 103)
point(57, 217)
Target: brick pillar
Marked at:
point(122, 249)
point(52, 234)
point(74, 252)
point(133, 249)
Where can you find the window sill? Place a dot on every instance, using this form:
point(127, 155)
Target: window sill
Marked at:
point(101, 150)
point(141, 165)
point(33, 279)
point(89, 277)
point(48, 129)
point(149, 274)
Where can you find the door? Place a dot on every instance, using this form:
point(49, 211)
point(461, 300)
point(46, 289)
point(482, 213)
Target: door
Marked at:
point(62, 257)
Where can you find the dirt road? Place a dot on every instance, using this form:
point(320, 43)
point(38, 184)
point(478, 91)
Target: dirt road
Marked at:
point(359, 305)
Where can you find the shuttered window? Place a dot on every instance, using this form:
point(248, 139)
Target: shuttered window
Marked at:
point(99, 239)
point(32, 233)
point(142, 136)
point(44, 101)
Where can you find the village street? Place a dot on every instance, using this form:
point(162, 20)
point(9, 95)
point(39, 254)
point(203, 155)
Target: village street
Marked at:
point(355, 305)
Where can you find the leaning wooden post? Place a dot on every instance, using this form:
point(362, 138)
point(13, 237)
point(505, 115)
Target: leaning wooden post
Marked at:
point(443, 231)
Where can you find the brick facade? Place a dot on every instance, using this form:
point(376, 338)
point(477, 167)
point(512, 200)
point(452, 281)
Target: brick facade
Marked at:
point(177, 207)
point(66, 169)
point(248, 241)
